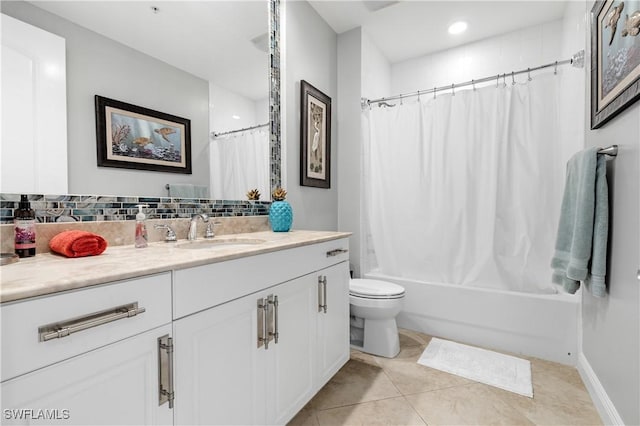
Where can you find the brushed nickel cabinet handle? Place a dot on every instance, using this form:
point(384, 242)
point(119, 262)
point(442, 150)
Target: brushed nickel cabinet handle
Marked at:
point(166, 392)
point(273, 300)
point(336, 252)
point(65, 328)
point(322, 294)
point(263, 307)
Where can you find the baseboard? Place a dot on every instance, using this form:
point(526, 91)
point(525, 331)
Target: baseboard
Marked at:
point(601, 400)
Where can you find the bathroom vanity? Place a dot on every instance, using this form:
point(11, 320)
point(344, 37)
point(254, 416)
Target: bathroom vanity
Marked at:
point(241, 332)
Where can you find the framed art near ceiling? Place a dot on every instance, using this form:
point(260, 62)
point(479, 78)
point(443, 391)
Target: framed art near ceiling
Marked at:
point(133, 137)
point(615, 58)
point(315, 137)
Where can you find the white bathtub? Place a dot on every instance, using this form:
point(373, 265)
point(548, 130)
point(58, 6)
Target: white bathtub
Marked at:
point(543, 326)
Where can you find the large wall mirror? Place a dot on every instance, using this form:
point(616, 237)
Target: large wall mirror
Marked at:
point(211, 62)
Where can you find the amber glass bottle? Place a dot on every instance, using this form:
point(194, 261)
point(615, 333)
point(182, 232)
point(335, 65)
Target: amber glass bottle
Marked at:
point(25, 229)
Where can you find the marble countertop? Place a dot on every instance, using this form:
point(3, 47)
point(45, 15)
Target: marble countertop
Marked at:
point(51, 273)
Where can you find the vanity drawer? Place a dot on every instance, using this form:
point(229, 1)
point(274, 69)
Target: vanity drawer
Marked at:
point(202, 287)
point(88, 317)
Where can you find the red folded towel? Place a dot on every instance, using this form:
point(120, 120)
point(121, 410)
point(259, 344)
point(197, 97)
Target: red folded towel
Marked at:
point(78, 244)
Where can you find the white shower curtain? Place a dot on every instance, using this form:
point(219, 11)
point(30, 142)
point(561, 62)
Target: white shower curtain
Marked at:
point(240, 162)
point(466, 188)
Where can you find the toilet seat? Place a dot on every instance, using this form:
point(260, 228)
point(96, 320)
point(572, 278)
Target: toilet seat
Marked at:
point(375, 289)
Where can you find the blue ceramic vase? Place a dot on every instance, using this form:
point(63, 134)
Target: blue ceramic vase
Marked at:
point(280, 216)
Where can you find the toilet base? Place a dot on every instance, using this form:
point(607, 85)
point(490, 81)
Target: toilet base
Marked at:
point(380, 338)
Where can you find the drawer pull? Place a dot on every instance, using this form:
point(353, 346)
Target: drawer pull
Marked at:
point(336, 252)
point(62, 329)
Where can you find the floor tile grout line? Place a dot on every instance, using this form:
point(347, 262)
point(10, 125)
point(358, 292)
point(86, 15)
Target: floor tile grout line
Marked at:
point(359, 403)
point(416, 411)
point(444, 388)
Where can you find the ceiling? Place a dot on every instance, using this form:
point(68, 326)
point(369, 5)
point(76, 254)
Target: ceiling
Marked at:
point(411, 28)
point(210, 39)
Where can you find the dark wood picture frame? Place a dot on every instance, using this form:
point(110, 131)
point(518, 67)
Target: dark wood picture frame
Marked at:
point(315, 137)
point(132, 137)
point(615, 60)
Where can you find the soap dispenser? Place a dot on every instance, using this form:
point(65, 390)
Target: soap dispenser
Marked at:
point(141, 227)
point(25, 229)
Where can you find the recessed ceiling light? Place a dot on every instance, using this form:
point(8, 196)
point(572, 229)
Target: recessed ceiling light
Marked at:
point(155, 9)
point(458, 27)
point(235, 117)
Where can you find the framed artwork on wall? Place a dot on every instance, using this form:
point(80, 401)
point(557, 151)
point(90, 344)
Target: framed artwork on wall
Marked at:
point(315, 137)
point(615, 58)
point(133, 137)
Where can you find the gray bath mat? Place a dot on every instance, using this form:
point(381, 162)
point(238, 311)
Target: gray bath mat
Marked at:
point(488, 367)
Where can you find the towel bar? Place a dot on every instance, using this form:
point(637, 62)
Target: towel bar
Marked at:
point(610, 150)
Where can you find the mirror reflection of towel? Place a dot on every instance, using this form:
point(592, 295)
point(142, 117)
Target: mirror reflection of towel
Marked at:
point(187, 190)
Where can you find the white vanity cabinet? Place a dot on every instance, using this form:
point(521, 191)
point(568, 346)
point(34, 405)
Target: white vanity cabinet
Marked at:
point(248, 340)
point(259, 358)
point(95, 368)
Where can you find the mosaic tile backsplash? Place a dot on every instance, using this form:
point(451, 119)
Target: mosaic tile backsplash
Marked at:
point(96, 208)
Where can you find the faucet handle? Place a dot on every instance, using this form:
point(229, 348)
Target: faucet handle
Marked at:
point(170, 235)
point(209, 232)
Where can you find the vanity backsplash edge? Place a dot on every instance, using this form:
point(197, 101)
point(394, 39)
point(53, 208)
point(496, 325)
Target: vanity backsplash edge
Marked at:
point(113, 217)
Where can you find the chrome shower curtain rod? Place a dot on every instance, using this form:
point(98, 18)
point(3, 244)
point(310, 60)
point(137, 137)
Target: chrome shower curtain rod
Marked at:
point(577, 60)
point(215, 134)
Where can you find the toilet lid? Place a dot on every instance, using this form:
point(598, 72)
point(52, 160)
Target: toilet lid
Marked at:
point(375, 288)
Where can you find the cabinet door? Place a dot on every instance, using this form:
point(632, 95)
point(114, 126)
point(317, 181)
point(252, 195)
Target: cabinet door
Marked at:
point(115, 384)
point(291, 361)
point(333, 326)
point(219, 373)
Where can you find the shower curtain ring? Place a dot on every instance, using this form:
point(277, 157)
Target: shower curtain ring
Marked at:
point(513, 80)
point(418, 96)
point(528, 74)
point(504, 80)
point(555, 69)
point(453, 92)
point(497, 80)
point(434, 93)
point(473, 84)
point(401, 99)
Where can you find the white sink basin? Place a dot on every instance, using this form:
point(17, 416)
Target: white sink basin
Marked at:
point(220, 243)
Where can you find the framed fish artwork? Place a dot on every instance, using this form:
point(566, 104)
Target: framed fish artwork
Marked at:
point(133, 137)
point(315, 137)
point(615, 58)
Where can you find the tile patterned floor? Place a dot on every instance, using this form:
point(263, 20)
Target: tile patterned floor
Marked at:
point(371, 390)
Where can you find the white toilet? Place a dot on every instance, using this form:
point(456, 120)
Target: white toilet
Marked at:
point(374, 305)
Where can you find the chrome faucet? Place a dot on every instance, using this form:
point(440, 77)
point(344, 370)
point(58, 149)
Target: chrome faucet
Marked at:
point(170, 234)
point(192, 226)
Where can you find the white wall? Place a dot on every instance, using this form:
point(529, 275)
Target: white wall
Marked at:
point(99, 66)
point(349, 135)
point(611, 325)
point(363, 72)
point(311, 55)
point(512, 51)
point(376, 70)
point(224, 104)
